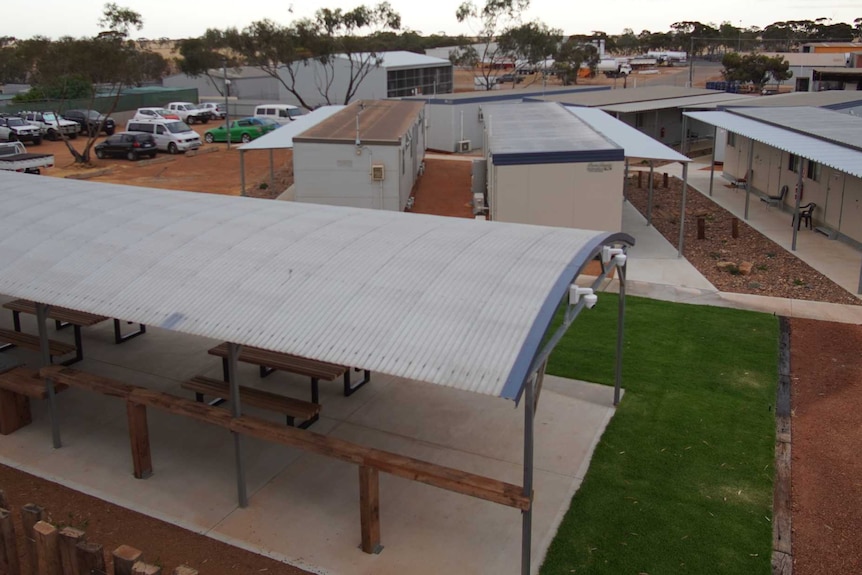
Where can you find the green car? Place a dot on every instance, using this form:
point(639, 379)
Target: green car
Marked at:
point(240, 131)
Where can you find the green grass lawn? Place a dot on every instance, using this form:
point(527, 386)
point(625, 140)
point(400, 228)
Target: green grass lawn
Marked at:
point(681, 481)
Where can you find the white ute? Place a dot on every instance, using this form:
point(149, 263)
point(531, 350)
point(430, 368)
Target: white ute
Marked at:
point(189, 113)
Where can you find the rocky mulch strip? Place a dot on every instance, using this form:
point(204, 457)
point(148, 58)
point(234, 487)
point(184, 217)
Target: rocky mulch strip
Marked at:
point(749, 263)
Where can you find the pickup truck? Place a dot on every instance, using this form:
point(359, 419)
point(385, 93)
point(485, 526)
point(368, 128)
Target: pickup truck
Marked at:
point(14, 157)
point(189, 113)
point(51, 125)
point(13, 128)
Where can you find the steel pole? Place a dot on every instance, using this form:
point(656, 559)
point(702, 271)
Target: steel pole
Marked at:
point(621, 314)
point(226, 109)
point(749, 176)
point(712, 163)
point(45, 361)
point(796, 221)
point(527, 516)
point(859, 289)
point(271, 169)
point(683, 145)
point(241, 171)
point(691, 64)
point(626, 182)
point(682, 209)
point(236, 411)
point(649, 198)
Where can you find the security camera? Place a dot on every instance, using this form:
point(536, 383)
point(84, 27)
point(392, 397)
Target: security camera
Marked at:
point(620, 260)
point(590, 300)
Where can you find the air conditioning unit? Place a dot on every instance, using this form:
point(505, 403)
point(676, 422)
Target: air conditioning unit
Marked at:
point(478, 203)
point(464, 146)
point(378, 174)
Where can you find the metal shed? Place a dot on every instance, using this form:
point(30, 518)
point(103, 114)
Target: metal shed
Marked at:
point(452, 302)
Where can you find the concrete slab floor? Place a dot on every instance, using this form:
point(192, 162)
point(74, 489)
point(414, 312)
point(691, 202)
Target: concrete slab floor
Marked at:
point(304, 508)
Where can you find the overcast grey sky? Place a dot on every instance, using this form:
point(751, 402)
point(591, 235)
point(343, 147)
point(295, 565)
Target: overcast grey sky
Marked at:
point(189, 18)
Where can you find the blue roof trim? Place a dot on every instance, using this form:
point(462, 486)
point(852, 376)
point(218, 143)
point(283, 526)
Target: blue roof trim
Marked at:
point(514, 385)
point(844, 105)
point(509, 95)
point(567, 157)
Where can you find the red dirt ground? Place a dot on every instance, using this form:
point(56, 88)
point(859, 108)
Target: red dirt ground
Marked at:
point(826, 467)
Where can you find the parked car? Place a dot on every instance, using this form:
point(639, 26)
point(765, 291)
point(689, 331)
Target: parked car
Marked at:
point(281, 113)
point(188, 112)
point(216, 110)
point(150, 114)
point(91, 121)
point(240, 131)
point(14, 158)
point(509, 78)
point(131, 145)
point(13, 128)
point(172, 136)
point(51, 125)
point(268, 124)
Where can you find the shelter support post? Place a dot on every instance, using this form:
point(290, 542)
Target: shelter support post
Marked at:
point(621, 314)
point(683, 146)
point(748, 176)
point(682, 208)
point(236, 411)
point(369, 509)
point(797, 202)
point(649, 198)
point(626, 182)
point(527, 515)
point(241, 172)
point(271, 170)
point(712, 161)
point(859, 289)
point(45, 361)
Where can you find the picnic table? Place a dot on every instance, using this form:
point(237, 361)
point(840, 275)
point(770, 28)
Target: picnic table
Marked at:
point(269, 361)
point(64, 317)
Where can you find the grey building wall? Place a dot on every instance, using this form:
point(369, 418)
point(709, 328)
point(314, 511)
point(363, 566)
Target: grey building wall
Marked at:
point(263, 88)
point(312, 79)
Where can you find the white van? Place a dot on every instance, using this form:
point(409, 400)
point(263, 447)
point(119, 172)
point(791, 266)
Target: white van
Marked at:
point(171, 136)
point(281, 113)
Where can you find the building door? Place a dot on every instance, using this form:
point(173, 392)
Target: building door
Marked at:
point(834, 199)
point(774, 180)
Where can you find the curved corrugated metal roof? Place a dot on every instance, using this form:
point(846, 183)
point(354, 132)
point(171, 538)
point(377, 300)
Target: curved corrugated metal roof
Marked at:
point(842, 158)
point(449, 301)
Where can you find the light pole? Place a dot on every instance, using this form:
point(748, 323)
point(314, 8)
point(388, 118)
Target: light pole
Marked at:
point(226, 109)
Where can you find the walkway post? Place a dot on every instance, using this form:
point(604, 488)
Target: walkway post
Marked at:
point(45, 361)
point(626, 183)
point(271, 170)
point(527, 516)
point(649, 199)
point(621, 314)
point(683, 144)
point(682, 209)
point(226, 92)
point(859, 289)
point(712, 163)
point(795, 221)
point(236, 411)
point(748, 176)
point(241, 171)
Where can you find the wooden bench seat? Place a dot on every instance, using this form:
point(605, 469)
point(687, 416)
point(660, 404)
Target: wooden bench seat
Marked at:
point(292, 408)
point(17, 387)
point(29, 341)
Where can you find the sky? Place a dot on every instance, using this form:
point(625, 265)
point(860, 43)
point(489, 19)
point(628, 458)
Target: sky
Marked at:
point(190, 18)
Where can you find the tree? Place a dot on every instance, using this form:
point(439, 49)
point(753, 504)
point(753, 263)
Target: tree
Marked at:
point(572, 54)
point(494, 19)
point(331, 38)
point(530, 44)
point(755, 68)
point(201, 56)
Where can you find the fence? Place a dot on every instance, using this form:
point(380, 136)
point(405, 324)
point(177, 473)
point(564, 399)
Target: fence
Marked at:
point(132, 101)
point(52, 551)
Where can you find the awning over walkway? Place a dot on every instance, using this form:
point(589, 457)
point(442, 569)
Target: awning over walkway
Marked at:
point(454, 302)
point(283, 136)
point(835, 156)
point(636, 143)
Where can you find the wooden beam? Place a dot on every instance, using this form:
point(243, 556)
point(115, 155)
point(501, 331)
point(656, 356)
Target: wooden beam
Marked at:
point(141, 568)
point(125, 558)
point(31, 514)
point(14, 411)
point(9, 562)
point(407, 467)
point(139, 438)
point(369, 508)
point(91, 558)
point(69, 539)
point(47, 549)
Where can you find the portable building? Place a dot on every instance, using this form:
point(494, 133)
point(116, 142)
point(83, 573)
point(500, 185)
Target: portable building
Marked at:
point(368, 155)
point(547, 167)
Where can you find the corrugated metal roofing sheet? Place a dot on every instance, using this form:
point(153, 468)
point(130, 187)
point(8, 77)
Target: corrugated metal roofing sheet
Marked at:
point(622, 96)
point(818, 122)
point(379, 122)
point(403, 59)
point(652, 105)
point(283, 136)
point(819, 99)
point(450, 301)
point(518, 94)
point(635, 143)
point(835, 156)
